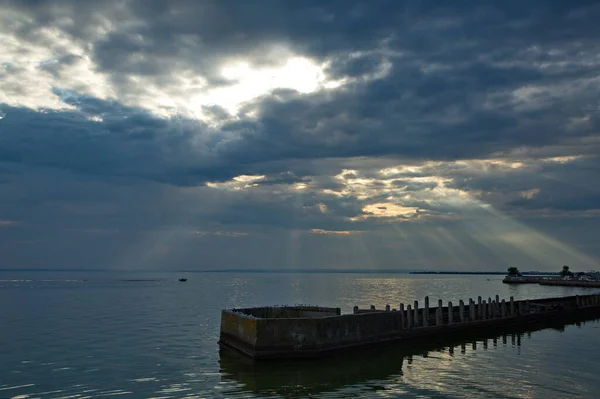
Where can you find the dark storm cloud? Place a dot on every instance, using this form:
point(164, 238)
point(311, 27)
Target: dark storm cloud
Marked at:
point(126, 142)
point(429, 80)
point(448, 93)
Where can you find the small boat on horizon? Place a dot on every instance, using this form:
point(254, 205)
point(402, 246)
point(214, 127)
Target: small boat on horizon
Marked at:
point(183, 279)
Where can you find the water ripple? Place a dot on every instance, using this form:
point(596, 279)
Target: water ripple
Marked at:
point(106, 337)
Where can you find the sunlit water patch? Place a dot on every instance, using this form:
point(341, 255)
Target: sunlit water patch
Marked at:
point(103, 335)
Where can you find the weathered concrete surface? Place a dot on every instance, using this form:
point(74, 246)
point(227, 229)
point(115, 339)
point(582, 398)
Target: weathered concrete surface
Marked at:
point(241, 329)
point(278, 337)
point(288, 312)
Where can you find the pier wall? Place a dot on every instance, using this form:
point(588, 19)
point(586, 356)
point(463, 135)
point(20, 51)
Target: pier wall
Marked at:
point(283, 336)
point(242, 327)
point(283, 312)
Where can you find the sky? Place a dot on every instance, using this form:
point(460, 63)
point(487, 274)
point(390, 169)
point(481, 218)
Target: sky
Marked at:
point(233, 134)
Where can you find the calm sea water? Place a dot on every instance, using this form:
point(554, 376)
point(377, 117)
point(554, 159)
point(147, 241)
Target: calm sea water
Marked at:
point(88, 335)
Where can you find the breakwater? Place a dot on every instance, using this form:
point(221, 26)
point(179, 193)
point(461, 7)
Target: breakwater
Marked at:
point(572, 283)
point(551, 280)
point(361, 366)
point(312, 331)
point(528, 279)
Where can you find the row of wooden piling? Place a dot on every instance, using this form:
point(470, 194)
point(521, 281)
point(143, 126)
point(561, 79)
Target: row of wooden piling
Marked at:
point(587, 300)
point(412, 316)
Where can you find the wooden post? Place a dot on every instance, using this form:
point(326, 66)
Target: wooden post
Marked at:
point(355, 310)
point(441, 310)
point(387, 308)
point(503, 309)
point(372, 307)
point(426, 312)
point(471, 310)
point(490, 308)
point(409, 316)
point(498, 308)
point(416, 314)
point(483, 311)
point(479, 309)
point(461, 311)
point(402, 316)
point(450, 313)
point(512, 306)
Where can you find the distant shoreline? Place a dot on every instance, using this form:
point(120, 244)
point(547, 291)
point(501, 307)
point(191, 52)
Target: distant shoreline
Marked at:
point(282, 271)
point(485, 273)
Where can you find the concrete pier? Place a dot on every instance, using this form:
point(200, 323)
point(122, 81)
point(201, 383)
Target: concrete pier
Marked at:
point(311, 331)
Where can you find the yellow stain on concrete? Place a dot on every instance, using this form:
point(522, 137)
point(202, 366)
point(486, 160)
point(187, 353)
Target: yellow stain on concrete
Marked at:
point(240, 327)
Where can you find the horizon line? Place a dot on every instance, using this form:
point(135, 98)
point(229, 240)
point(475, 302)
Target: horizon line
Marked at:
point(271, 270)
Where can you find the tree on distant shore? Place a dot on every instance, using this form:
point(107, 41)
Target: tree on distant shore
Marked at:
point(565, 271)
point(514, 271)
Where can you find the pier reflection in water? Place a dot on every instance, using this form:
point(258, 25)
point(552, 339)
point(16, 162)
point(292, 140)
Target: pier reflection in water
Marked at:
point(486, 366)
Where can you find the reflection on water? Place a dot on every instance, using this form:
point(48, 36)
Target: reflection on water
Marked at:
point(95, 335)
point(397, 370)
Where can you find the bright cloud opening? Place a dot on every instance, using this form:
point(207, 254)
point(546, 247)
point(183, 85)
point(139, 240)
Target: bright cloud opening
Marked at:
point(388, 210)
point(297, 73)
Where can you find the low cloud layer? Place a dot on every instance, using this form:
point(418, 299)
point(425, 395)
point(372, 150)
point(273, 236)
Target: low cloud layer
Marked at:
point(229, 134)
